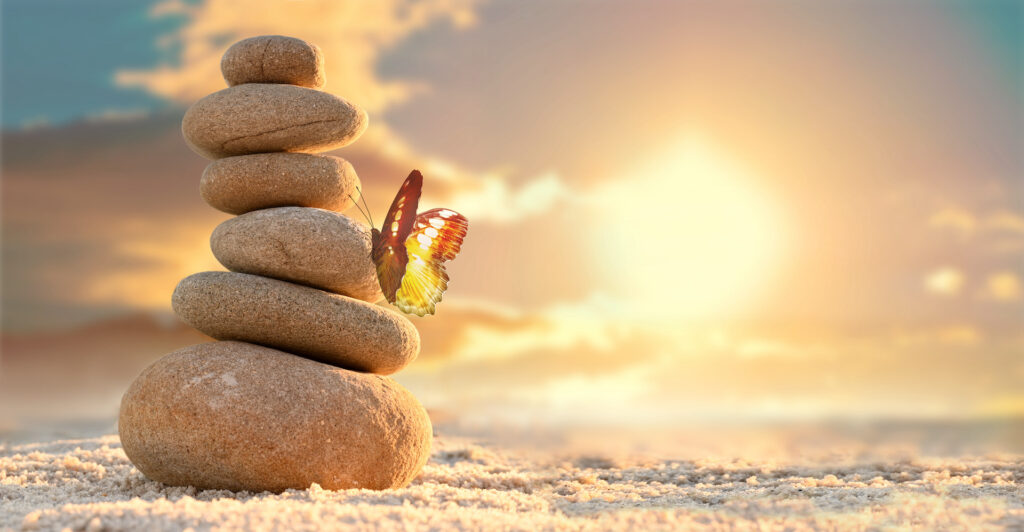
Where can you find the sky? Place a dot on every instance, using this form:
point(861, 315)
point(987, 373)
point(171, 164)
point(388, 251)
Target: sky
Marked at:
point(679, 210)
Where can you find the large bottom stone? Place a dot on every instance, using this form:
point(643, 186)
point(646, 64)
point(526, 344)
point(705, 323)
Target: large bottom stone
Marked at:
point(231, 415)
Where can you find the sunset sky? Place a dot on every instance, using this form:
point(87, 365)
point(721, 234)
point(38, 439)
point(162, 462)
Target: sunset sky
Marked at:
point(679, 210)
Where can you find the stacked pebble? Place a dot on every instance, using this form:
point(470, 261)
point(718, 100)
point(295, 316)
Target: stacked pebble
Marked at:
point(294, 392)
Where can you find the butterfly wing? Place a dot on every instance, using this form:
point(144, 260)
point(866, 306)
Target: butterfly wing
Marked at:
point(389, 250)
point(436, 237)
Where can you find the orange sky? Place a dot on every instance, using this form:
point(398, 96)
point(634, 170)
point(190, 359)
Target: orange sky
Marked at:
point(679, 210)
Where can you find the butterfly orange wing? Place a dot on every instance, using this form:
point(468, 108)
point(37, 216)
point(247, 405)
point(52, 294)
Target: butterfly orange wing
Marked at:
point(436, 237)
point(389, 250)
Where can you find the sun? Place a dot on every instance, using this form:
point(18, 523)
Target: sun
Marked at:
point(687, 234)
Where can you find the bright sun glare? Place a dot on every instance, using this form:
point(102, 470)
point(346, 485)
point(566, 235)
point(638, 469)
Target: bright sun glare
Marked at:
point(689, 234)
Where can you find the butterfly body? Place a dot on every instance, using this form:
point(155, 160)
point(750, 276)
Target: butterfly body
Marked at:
point(409, 250)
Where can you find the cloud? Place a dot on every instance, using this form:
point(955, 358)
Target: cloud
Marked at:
point(494, 200)
point(964, 335)
point(573, 363)
point(36, 123)
point(109, 223)
point(116, 115)
point(146, 260)
point(1006, 222)
point(487, 197)
point(113, 220)
point(351, 34)
point(485, 331)
point(767, 347)
point(952, 335)
point(965, 224)
point(954, 219)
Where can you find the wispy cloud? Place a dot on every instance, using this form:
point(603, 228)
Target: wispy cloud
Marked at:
point(965, 223)
point(116, 115)
point(1005, 221)
point(959, 334)
point(488, 196)
point(574, 363)
point(485, 331)
point(494, 199)
point(957, 220)
point(352, 35)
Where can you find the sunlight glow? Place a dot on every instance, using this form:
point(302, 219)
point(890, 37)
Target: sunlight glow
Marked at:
point(689, 234)
point(944, 281)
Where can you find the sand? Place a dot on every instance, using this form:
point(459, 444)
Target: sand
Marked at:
point(88, 484)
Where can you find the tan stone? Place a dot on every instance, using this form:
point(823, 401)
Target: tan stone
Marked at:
point(314, 247)
point(327, 327)
point(261, 117)
point(249, 182)
point(231, 415)
point(274, 59)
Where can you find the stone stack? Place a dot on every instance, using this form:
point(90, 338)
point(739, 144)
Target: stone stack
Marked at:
point(294, 391)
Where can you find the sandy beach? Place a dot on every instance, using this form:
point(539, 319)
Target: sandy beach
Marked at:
point(88, 484)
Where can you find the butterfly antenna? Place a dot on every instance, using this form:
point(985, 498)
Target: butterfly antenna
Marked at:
point(356, 203)
point(368, 213)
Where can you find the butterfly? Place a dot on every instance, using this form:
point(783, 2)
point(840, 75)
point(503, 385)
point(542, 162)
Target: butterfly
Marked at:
point(409, 250)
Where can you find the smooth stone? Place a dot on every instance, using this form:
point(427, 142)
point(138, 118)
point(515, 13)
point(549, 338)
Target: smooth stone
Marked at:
point(246, 183)
point(262, 117)
point(314, 247)
point(298, 319)
point(274, 59)
point(237, 416)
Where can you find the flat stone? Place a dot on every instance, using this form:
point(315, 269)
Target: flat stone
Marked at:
point(261, 117)
point(249, 182)
point(298, 319)
point(237, 416)
point(274, 59)
point(314, 247)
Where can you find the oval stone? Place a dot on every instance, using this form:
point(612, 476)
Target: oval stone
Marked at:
point(298, 319)
point(236, 416)
point(274, 59)
point(261, 117)
point(314, 247)
point(246, 183)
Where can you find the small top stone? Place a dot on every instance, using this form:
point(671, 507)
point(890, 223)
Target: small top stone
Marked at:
point(274, 59)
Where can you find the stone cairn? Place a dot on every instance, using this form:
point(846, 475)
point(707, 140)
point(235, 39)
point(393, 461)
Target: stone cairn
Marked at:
point(294, 391)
